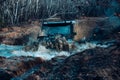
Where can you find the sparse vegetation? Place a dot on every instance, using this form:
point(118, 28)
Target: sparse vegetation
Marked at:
point(16, 11)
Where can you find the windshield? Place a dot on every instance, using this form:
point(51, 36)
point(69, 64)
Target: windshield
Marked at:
point(65, 30)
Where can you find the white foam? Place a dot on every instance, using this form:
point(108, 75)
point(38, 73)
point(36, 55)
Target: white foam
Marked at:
point(47, 54)
point(42, 52)
point(88, 45)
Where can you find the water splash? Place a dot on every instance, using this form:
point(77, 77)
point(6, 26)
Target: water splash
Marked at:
point(47, 54)
point(42, 52)
point(6, 50)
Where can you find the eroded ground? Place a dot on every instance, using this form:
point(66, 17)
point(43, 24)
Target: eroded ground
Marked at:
point(96, 63)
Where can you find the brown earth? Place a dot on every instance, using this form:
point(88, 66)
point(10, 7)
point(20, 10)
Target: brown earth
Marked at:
point(97, 28)
point(92, 64)
point(84, 28)
point(18, 35)
point(15, 66)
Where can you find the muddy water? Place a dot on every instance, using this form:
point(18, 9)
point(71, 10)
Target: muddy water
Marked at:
point(47, 54)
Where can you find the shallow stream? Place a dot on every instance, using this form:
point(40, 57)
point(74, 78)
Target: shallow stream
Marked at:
point(47, 54)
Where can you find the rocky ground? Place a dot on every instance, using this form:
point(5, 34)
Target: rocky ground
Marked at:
point(92, 64)
point(14, 66)
point(19, 34)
